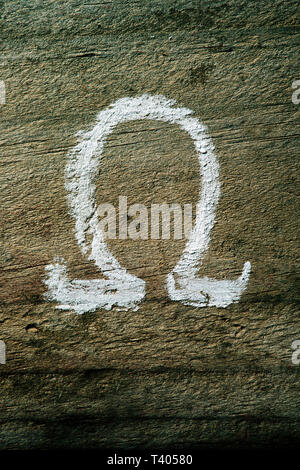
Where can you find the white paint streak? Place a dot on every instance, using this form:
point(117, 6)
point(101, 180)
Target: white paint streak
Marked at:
point(2, 352)
point(2, 92)
point(86, 296)
point(81, 172)
point(295, 95)
point(296, 353)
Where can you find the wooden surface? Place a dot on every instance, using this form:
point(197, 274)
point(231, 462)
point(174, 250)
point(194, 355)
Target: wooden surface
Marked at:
point(166, 374)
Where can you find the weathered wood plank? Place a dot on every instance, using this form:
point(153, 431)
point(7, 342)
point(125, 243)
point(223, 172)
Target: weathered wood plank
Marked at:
point(166, 374)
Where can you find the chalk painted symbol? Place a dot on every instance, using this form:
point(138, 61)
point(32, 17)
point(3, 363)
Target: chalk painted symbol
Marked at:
point(2, 352)
point(296, 93)
point(296, 353)
point(123, 289)
point(2, 92)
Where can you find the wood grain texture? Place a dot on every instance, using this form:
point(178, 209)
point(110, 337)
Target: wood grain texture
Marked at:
point(167, 374)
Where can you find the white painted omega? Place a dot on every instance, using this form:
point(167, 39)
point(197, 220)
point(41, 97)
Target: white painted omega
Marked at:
point(2, 352)
point(121, 288)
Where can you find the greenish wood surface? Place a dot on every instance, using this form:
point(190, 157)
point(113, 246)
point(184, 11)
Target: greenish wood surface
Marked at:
point(166, 374)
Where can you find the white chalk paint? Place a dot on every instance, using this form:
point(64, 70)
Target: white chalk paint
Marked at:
point(86, 296)
point(296, 94)
point(2, 352)
point(296, 353)
point(2, 92)
point(82, 170)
